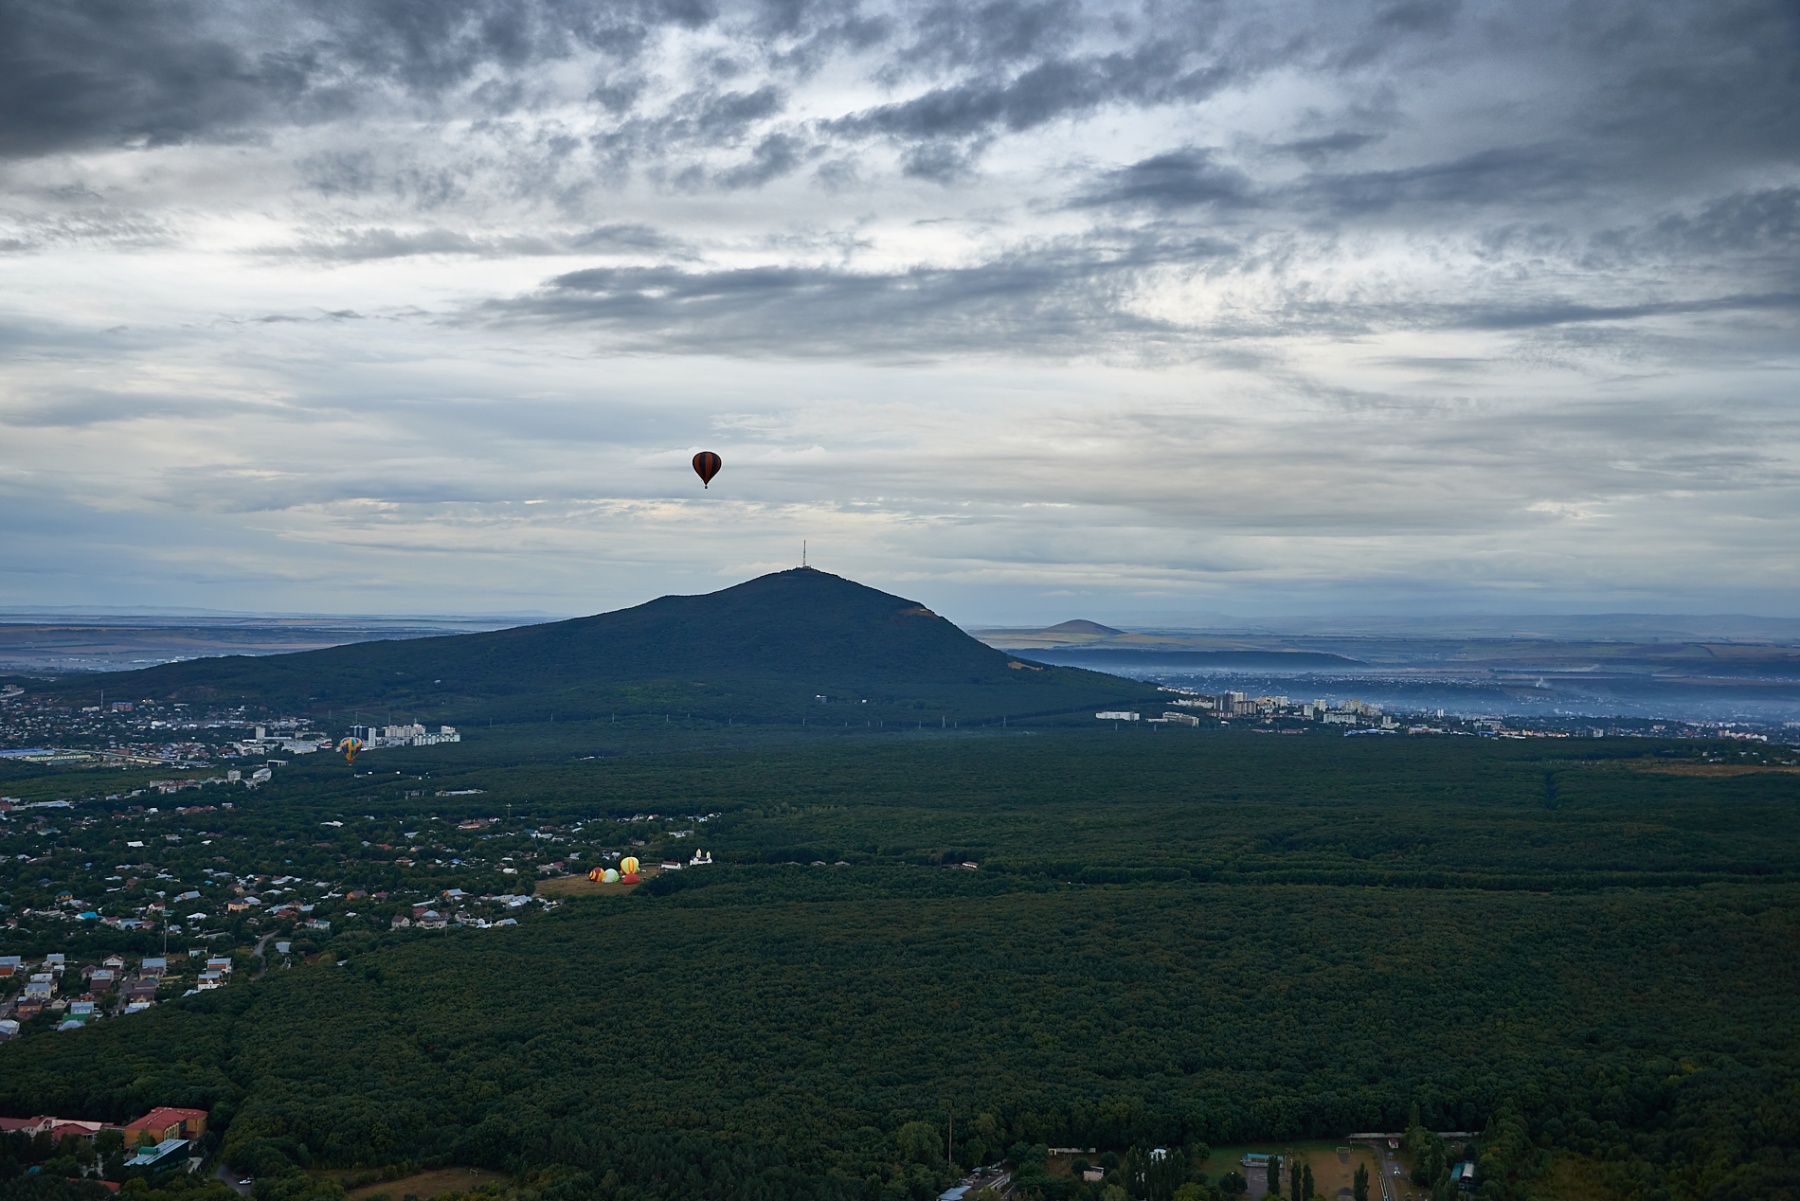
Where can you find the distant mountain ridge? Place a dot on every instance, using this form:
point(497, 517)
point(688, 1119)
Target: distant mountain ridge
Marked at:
point(767, 648)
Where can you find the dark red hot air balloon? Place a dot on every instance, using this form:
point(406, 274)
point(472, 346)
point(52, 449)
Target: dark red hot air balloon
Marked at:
point(706, 465)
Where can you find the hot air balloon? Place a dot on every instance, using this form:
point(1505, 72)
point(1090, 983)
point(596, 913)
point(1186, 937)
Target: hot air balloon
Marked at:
point(628, 869)
point(595, 875)
point(609, 876)
point(349, 747)
point(706, 465)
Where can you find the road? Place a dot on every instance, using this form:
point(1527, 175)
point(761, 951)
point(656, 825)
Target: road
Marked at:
point(221, 1172)
point(1393, 1176)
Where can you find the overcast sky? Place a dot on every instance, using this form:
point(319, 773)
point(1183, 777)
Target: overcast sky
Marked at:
point(1027, 310)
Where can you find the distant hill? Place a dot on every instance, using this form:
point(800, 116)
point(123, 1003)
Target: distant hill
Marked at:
point(1101, 657)
point(1079, 626)
point(764, 649)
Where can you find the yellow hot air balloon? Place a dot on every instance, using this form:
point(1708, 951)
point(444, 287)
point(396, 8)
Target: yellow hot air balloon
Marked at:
point(349, 747)
point(628, 869)
point(595, 875)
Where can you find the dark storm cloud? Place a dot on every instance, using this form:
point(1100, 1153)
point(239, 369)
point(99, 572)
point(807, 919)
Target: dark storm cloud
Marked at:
point(1763, 220)
point(1504, 176)
point(99, 72)
point(1316, 150)
point(1571, 313)
point(1180, 179)
point(1192, 178)
point(1046, 91)
point(986, 36)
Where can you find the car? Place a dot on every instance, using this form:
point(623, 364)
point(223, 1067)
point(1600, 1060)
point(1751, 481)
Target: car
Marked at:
point(248, 1180)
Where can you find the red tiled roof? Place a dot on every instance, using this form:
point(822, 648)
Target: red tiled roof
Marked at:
point(166, 1116)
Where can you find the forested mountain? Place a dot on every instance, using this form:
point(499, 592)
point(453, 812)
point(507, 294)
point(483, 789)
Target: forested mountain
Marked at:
point(767, 648)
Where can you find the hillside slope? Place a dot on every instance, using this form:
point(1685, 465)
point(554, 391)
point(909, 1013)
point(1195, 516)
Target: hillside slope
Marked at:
point(764, 649)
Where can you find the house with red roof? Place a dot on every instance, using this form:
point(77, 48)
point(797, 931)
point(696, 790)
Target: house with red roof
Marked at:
point(164, 1123)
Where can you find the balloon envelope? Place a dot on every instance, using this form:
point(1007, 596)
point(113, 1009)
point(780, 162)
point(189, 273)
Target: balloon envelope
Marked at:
point(629, 865)
point(349, 747)
point(706, 465)
point(609, 876)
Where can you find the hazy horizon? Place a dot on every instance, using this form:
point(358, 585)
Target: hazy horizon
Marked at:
point(1558, 625)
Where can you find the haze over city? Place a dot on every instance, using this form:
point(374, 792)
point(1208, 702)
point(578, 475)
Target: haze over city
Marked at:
point(1029, 311)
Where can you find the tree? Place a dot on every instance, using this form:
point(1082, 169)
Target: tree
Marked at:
point(1306, 1183)
point(1359, 1189)
point(1233, 1184)
point(1155, 1174)
point(918, 1142)
point(1274, 1175)
point(1294, 1180)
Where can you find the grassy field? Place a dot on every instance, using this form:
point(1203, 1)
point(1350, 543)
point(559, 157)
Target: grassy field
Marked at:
point(581, 886)
point(425, 1185)
point(1332, 1172)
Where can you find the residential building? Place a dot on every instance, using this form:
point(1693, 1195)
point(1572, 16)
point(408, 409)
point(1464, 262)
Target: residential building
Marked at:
point(29, 1126)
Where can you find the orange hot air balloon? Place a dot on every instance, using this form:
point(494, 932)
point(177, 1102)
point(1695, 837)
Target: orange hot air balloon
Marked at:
point(706, 465)
point(594, 875)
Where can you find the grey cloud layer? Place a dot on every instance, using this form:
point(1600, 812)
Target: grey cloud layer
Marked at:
point(1511, 279)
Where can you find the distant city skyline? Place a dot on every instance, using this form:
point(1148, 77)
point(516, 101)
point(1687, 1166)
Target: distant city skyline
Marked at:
point(1030, 311)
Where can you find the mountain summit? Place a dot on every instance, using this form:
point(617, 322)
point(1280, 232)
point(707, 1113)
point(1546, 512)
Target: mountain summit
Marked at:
point(768, 648)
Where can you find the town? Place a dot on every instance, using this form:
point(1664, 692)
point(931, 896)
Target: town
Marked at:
point(109, 904)
point(147, 733)
point(1284, 715)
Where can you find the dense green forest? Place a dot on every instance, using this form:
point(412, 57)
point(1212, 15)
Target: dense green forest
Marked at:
point(1172, 938)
